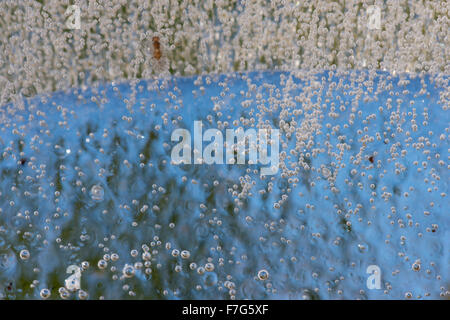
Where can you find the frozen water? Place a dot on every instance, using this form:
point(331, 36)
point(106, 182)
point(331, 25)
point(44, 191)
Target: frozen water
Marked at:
point(89, 99)
point(363, 181)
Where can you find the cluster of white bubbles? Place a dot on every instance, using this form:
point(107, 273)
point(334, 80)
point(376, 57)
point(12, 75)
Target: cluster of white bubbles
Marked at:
point(87, 178)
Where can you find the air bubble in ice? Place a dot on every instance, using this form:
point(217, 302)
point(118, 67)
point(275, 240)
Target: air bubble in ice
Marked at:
point(97, 193)
point(263, 274)
point(24, 254)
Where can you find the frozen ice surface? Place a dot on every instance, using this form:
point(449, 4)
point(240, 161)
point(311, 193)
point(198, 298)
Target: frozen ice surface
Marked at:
point(85, 180)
